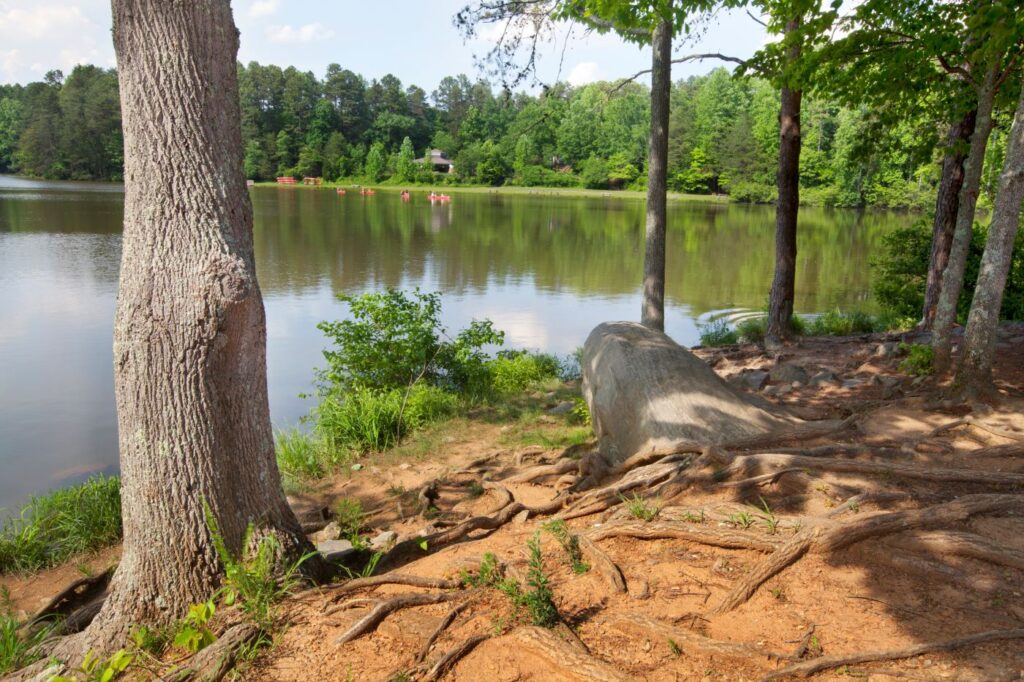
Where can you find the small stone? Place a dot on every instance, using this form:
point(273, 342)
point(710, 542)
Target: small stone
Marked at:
point(887, 349)
point(335, 550)
point(383, 540)
point(755, 380)
point(405, 465)
point(332, 531)
point(852, 383)
point(917, 381)
point(357, 467)
point(788, 372)
point(564, 407)
point(825, 377)
point(647, 645)
point(521, 517)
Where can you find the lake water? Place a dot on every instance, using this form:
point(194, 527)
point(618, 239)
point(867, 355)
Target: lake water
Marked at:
point(544, 269)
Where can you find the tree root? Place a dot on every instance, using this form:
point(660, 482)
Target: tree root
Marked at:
point(603, 563)
point(747, 463)
point(564, 656)
point(385, 608)
point(215, 661)
point(830, 537)
point(504, 496)
point(714, 537)
point(393, 579)
point(441, 627)
point(449, 659)
point(533, 473)
point(691, 642)
point(962, 544)
point(75, 596)
point(816, 665)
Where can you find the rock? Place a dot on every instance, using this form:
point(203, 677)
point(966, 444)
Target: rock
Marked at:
point(332, 531)
point(336, 550)
point(917, 381)
point(824, 378)
point(564, 407)
point(885, 380)
point(357, 467)
point(755, 380)
point(405, 466)
point(383, 540)
point(853, 383)
point(887, 349)
point(646, 391)
point(312, 517)
point(787, 373)
point(521, 517)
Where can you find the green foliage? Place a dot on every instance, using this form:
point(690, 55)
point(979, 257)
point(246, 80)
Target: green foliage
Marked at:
point(717, 333)
point(594, 173)
point(52, 528)
point(752, 329)
point(901, 273)
point(515, 371)
point(350, 517)
point(570, 542)
point(299, 455)
point(368, 568)
point(580, 413)
point(153, 641)
point(194, 633)
point(920, 359)
point(539, 600)
point(16, 650)
point(96, 669)
point(836, 323)
point(639, 508)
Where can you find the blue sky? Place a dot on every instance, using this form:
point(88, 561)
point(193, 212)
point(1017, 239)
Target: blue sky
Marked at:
point(413, 39)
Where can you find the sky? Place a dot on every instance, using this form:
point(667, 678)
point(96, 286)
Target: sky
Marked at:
point(412, 39)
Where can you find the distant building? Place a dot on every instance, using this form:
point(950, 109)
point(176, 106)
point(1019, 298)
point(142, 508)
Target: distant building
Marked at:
point(439, 161)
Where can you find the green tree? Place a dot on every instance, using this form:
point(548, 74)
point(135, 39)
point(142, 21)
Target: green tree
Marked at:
point(405, 168)
point(376, 163)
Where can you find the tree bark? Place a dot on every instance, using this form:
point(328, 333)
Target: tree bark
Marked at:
point(653, 311)
point(780, 301)
point(953, 277)
point(190, 332)
point(946, 205)
point(975, 373)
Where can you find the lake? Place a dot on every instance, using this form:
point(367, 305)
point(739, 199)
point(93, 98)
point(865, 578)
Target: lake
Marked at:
point(545, 269)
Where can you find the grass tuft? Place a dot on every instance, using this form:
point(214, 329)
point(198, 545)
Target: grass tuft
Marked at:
point(717, 333)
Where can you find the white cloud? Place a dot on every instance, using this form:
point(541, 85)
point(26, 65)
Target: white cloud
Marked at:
point(307, 33)
point(10, 63)
point(39, 35)
point(583, 73)
point(263, 8)
point(39, 21)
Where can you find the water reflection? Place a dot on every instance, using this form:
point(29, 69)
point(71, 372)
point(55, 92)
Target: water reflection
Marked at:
point(545, 269)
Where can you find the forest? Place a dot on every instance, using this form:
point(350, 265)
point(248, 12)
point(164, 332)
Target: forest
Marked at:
point(723, 135)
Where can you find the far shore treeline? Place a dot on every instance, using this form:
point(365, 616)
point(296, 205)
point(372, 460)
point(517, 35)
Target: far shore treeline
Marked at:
point(723, 135)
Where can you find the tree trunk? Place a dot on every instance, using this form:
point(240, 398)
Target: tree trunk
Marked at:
point(946, 204)
point(975, 374)
point(953, 277)
point(653, 313)
point(780, 301)
point(190, 332)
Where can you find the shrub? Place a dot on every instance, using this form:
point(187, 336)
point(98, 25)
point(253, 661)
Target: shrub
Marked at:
point(298, 455)
point(54, 527)
point(752, 329)
point(717, 333)
point(350, 517)
point(920, 359)
point(514, 372)
point(753, 193)
point(580, 413)
point(836, 323)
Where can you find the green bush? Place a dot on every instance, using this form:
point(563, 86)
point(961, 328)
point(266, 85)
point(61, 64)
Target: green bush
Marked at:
point(299, 455)
point(753, 193)
point(901, 273)
point(836, 323)
point(514, 372)
point(717, 333)
point(54, 527)
point(920, 359)
point(752, 329)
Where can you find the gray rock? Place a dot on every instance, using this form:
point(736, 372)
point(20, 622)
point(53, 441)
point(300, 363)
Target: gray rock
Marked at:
point(383, 540)
point(521, 517)
point(336, 550)
point(883, 380)
point(357, 467)
point(787, 373)
point(853, 383)
point(564, 407)
point(332, 531)
point(887, 349)
point(824, 378)
point(755, 380)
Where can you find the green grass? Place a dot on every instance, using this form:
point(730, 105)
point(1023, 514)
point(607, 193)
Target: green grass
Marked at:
point(570, 542)
point(838, 323)
point(639, 508)
point(752, 329)
point(17, 651)
point(718, 333)
point(52, 528)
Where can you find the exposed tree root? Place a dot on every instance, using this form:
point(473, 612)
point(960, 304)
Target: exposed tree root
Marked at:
point(831, 537)
point(692, 532)
point(816, 665)
point(215, 661)
point(533, 473)
point(970, 420)
point(564, 656)
point(385, 608)
point(803, 644)
point(449, 659)
point(747, 463)
point(391, 579)
point(441, 627)
point(75, 596)
point(691, 642)
point(603, 563)
point(962, 544)
point(502, 493)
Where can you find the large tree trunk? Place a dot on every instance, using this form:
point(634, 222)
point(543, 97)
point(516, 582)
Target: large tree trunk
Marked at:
point(975, 374)
point(653, 313)
point(946, 204)
point(783, 292)
point(953, 277)
point(190, 332)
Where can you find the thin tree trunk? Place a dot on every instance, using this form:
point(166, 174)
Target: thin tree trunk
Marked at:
point(190, 332)
point(975, 374)
point(783, 292)
point(653, 312)
point(946, 204)
point(953, 277)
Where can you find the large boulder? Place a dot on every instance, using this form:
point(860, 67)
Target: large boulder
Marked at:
point(645, 391)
